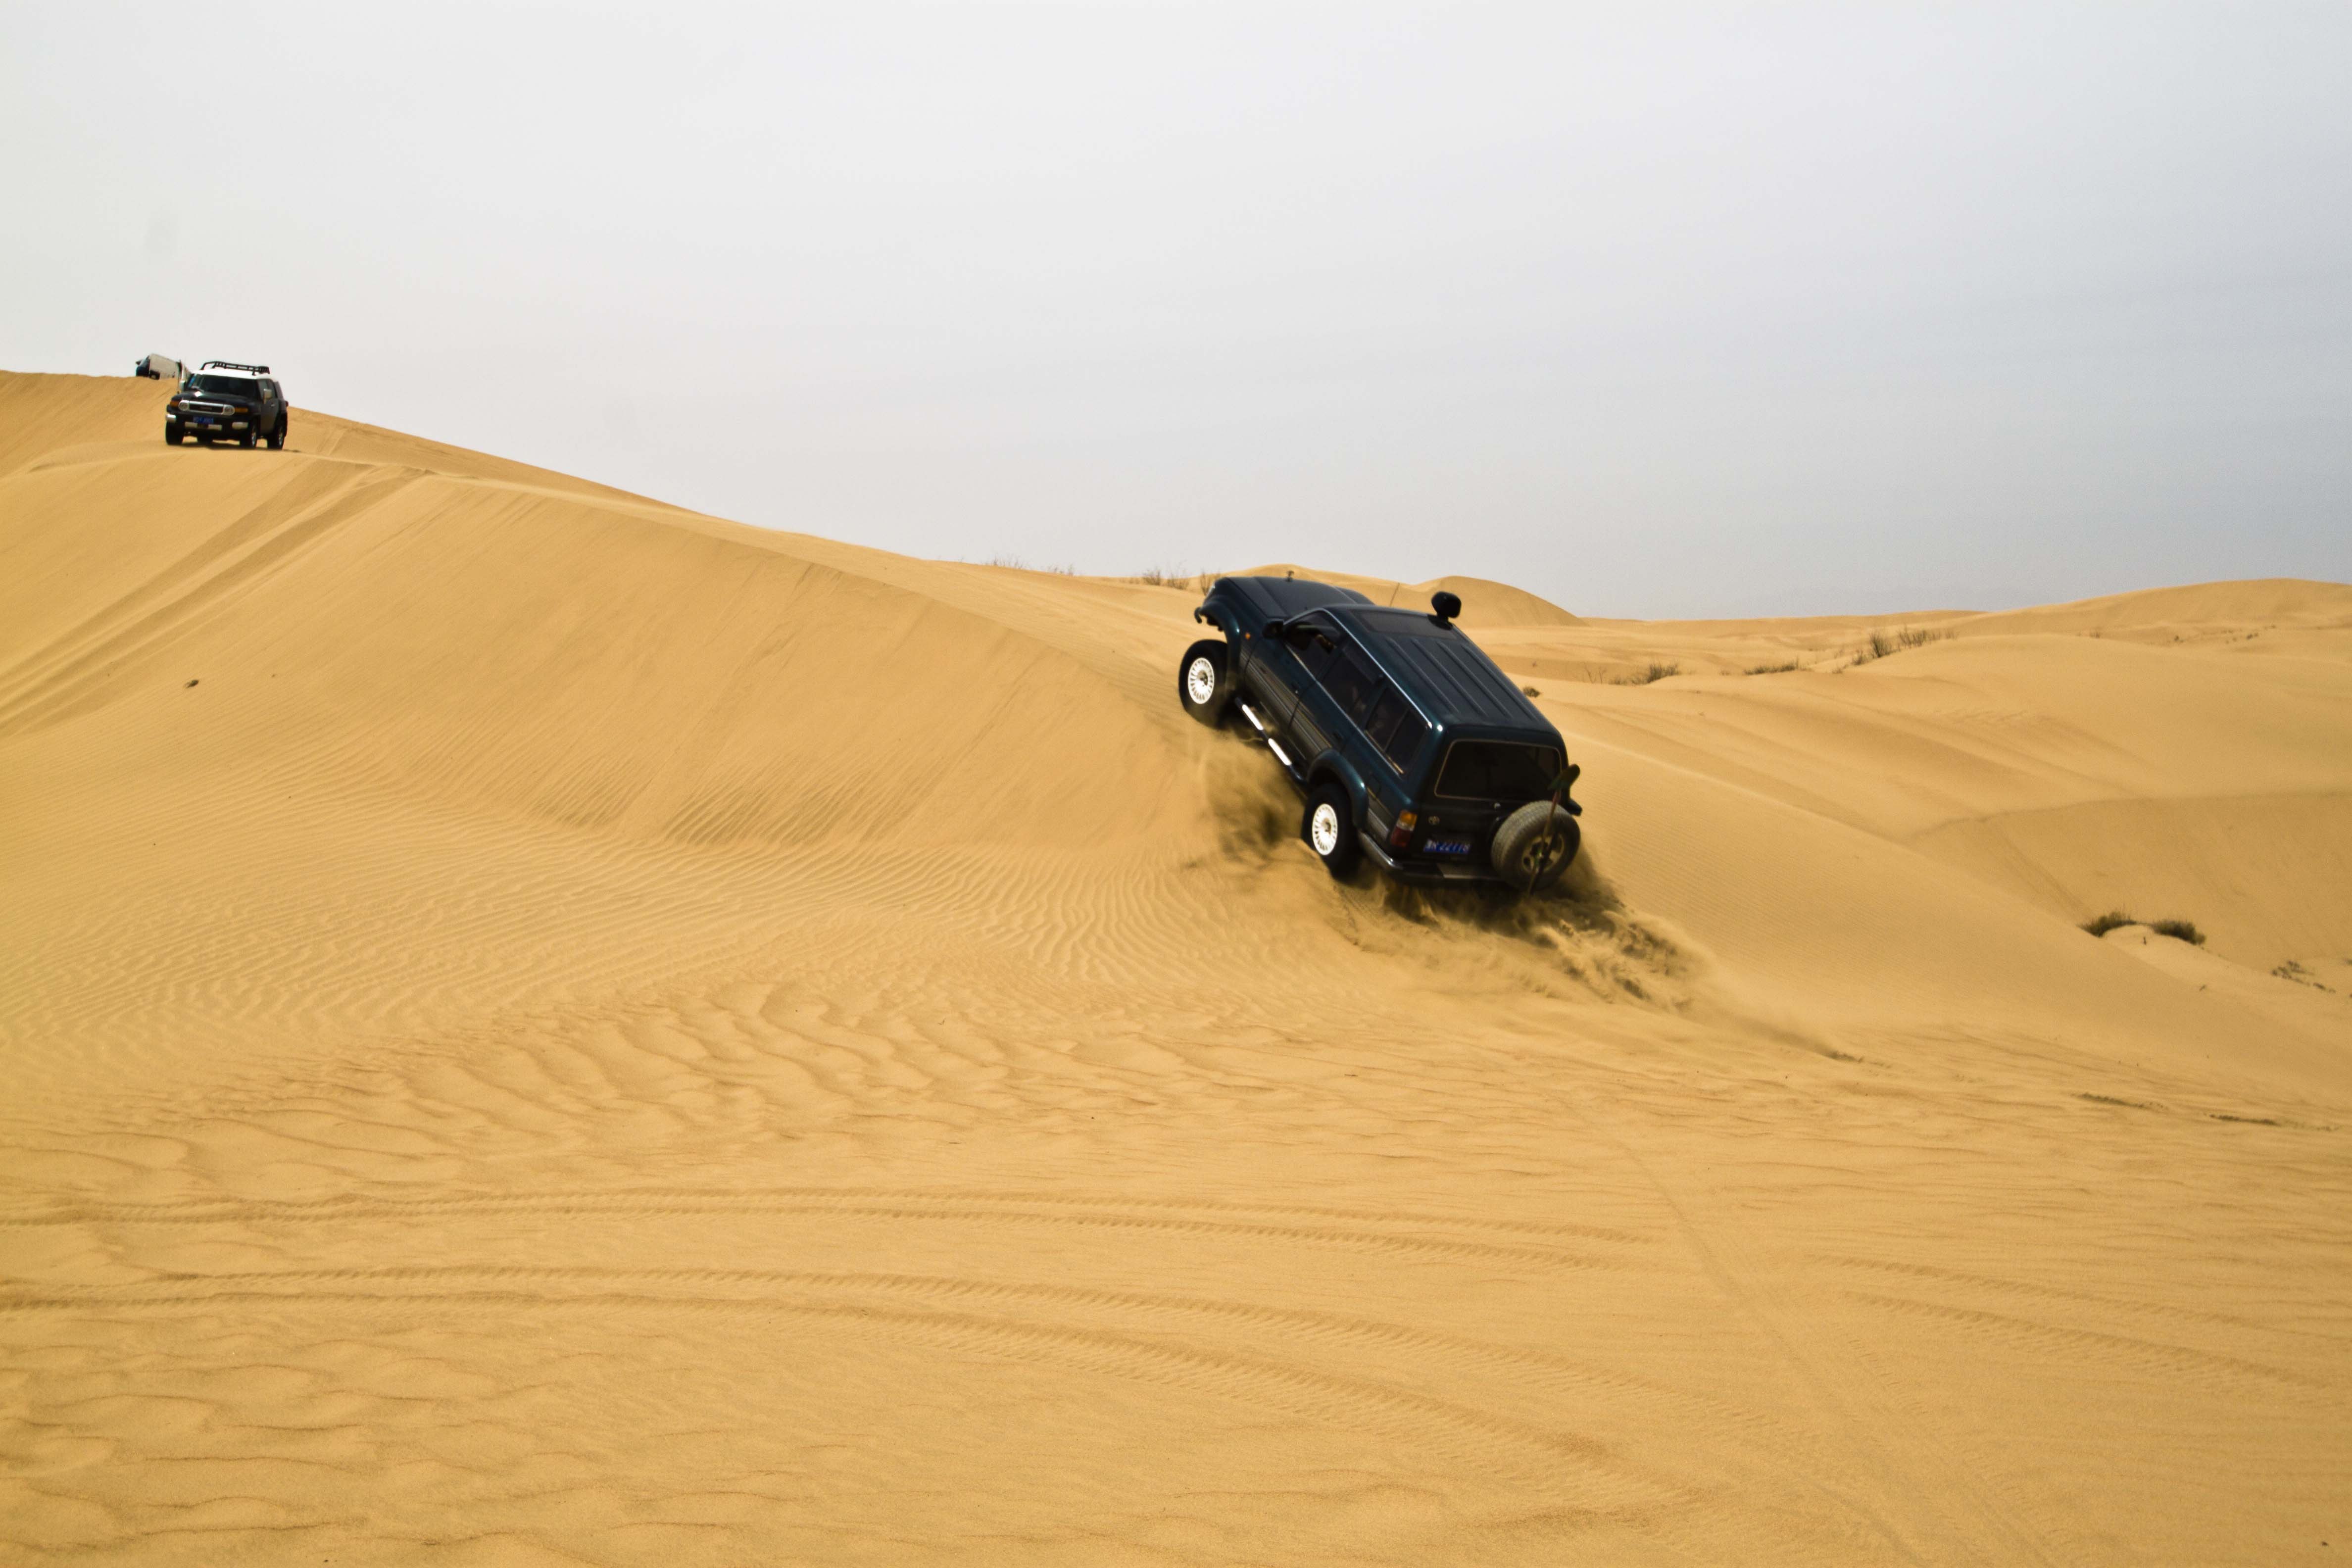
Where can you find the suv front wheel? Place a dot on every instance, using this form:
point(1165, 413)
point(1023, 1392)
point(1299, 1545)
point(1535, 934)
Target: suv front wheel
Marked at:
point(1329, 829)
point(1204, 681)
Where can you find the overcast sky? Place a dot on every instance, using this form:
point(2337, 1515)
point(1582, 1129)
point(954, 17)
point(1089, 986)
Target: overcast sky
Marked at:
point(1655, 311)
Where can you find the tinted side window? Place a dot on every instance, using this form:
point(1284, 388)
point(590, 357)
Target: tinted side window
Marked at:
point(1313, 646)
point(1395, 727)
point(1353, 683)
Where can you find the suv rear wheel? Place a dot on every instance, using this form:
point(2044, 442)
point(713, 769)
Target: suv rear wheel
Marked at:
point(1535, 845)
point(1204, 681)
point(1329, 829)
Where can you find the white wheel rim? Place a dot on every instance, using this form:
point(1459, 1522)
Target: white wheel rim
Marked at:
point(1324, 828)
point(1201, 682)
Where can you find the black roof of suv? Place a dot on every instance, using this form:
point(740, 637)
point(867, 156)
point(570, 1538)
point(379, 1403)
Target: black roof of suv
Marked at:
point(1407, 740)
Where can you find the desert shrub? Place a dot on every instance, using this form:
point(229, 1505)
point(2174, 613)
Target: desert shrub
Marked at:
point(1883, 643)
point(1772, 668)
point(1658, 670)
point(2180, 931)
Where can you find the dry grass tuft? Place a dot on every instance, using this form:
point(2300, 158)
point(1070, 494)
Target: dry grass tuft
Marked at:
point(1015, 563)
point(1883, 643)
point(2290, 969)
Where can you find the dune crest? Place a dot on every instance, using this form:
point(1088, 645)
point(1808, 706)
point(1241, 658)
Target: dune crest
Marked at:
point(1484, 603)
point(535, 1018)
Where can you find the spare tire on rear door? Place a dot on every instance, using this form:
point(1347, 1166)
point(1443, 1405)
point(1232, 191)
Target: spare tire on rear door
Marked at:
point(1535, 845)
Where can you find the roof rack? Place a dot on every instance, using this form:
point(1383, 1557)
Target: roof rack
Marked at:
point(232, 364)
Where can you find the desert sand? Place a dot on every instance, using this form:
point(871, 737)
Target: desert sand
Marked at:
point(540, 1027)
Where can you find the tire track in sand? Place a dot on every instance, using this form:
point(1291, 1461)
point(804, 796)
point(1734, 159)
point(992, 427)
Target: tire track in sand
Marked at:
point(2170, 1361)
point(936, 1208)
point(202, 1209)
point(1496, 1445)
point(1296, 1323)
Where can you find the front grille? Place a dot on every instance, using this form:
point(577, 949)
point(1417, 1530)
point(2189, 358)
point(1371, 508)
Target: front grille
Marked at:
point(206, 408)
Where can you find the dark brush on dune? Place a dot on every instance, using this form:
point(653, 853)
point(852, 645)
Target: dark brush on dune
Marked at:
point(2180, 931)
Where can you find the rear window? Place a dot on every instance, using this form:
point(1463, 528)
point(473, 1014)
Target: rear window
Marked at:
point(1497, 770)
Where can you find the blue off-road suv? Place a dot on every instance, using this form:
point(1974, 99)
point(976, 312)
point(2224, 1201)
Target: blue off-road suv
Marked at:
point(1408, 743)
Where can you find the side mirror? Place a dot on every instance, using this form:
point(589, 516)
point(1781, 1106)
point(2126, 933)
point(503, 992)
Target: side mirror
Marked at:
point(1273, 629)
point(1446, 605)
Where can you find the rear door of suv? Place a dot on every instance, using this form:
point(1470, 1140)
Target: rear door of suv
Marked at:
point(1360, 711)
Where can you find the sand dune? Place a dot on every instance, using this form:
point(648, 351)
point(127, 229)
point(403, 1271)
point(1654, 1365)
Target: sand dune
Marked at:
point(1484, 604)
point(540, 1026)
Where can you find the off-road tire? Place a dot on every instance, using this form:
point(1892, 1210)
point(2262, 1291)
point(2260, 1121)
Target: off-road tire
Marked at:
point(1534, 846)
point(277, 437)
point(1328, 826)
point(170, 436)
point(1204, 681)
point(250, 437)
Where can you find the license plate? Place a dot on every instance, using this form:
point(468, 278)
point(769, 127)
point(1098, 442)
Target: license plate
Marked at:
point(1447, 845)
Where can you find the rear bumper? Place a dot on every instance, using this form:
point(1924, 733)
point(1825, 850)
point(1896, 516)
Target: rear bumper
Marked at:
point(1456, 873)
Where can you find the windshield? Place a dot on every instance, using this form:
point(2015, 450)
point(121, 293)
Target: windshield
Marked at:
point(225, 385)
point(1497, 770)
